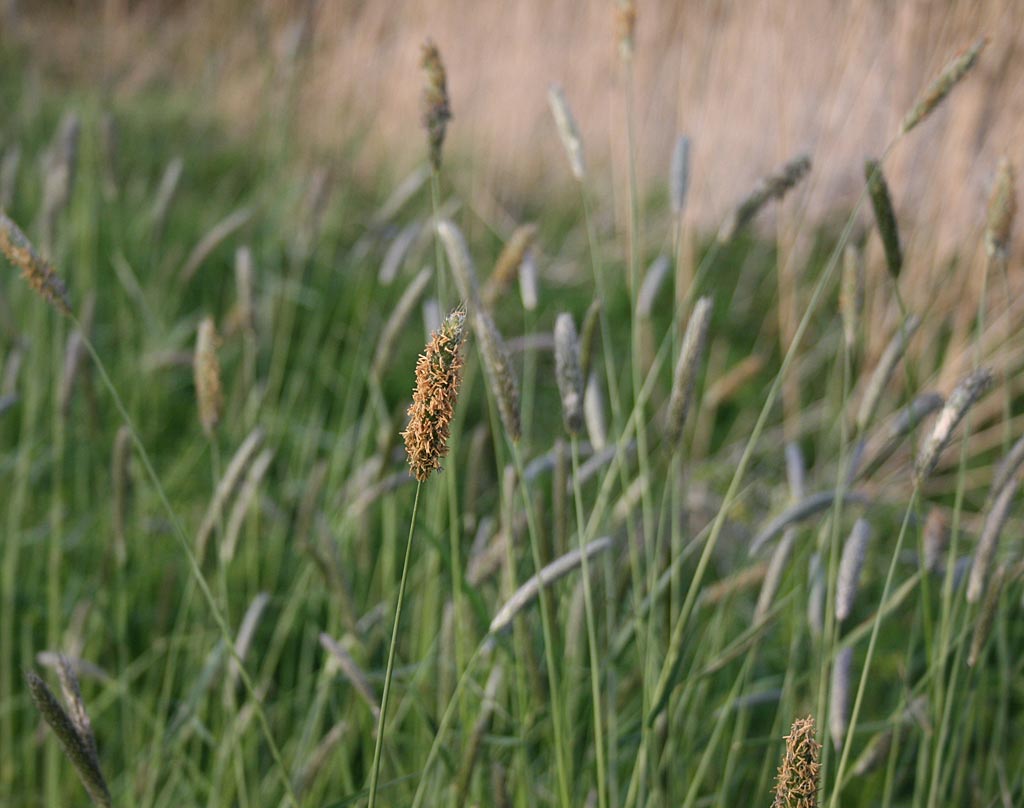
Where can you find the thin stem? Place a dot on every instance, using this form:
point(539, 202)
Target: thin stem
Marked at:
point(389, 672)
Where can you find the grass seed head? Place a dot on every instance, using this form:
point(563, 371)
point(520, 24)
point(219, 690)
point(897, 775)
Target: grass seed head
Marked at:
point(796, 784)
point(885, 217)
point(944, 83)
point(568, 373)
point(206, 367)
point(437, 109)
point(35, 269)
point(964, 395)
point(438, 373)
point(567, 131)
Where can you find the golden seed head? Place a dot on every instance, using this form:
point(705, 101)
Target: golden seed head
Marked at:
point(796, 784)
point(35, 269)
point(438, 373)
point(436, 107)
point(206, 368)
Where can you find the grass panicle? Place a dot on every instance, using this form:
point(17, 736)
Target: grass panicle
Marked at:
point(437, 110)
point(964, 395)
point(850, 565)
point(568, 132)
point(679, 174)
point(438, 375)
point(772, 187)
point(796, 783)
point(79, 750)
point(687, 369)
point(1002, 208)
point(568, 373)
point(944, 83)
point(885, 217)
point(206, 369)
point(35, 269)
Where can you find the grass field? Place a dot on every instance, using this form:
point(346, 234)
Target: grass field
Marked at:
point(750, 531)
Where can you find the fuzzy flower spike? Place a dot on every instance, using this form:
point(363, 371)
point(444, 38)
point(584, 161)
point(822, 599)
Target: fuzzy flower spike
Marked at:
point(438, 374)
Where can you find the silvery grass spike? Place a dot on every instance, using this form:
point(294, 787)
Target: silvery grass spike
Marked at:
point(567, 131)
point(246, 496)
point(679, 174)
point(985, 552)
point(773, 186)
point(497, 366)
point(987, 616)
point(527, 593)
point(568, 374)
point(243, 641)
point(964, 395)
point(226, 487)
point(851, 294)
point(529, 287)
point(507, 267)
point(688, 366)
point(654, 279)
point(59, 169)
point(348, 666)
point(796, 475)
point(850, 565)
point(593, 413)
point(839, 697)
point(398, 319)
point(397, 252)
point(212, 239)
point(816, 596)
point(881, 446)
point(809, 506)
point(165, 193)
point(883, 371)
point(1007, 468)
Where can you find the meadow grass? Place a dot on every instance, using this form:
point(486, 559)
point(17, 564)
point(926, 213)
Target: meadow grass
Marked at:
point(654, 545)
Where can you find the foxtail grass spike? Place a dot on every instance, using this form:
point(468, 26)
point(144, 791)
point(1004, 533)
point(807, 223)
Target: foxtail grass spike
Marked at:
point(398, 319)
point(509, 260)
point(437, 109)
point(438, 374)
point(76, 749)
point(816, 596)
point(35, 269)
point(654, 279)
point(850, 566)
point(528, 592)
point(568, 374)
point(684, 379)
point(808, 506)
point(588, 332)
point(796, 784)
point(774, 186)
point(839, 697)
point(851, 294)
point(885, 217)
point(567, 131)
point(963, 397)
point(986, 617)
point(937, 91)
point(883, 371)
point(985, 552)
point(1002, 208)
point(1007, 468)
point(76, 706)
point(679, 174)
point(206, 367)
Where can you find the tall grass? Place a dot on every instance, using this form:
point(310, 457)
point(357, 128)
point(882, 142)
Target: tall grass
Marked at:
point(625, 611)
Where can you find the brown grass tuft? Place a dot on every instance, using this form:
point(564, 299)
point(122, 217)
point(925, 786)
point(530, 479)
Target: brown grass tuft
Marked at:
point(438, 373)
point(797, 781)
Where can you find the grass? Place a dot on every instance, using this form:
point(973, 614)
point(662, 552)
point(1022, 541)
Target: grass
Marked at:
point(647, 683)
